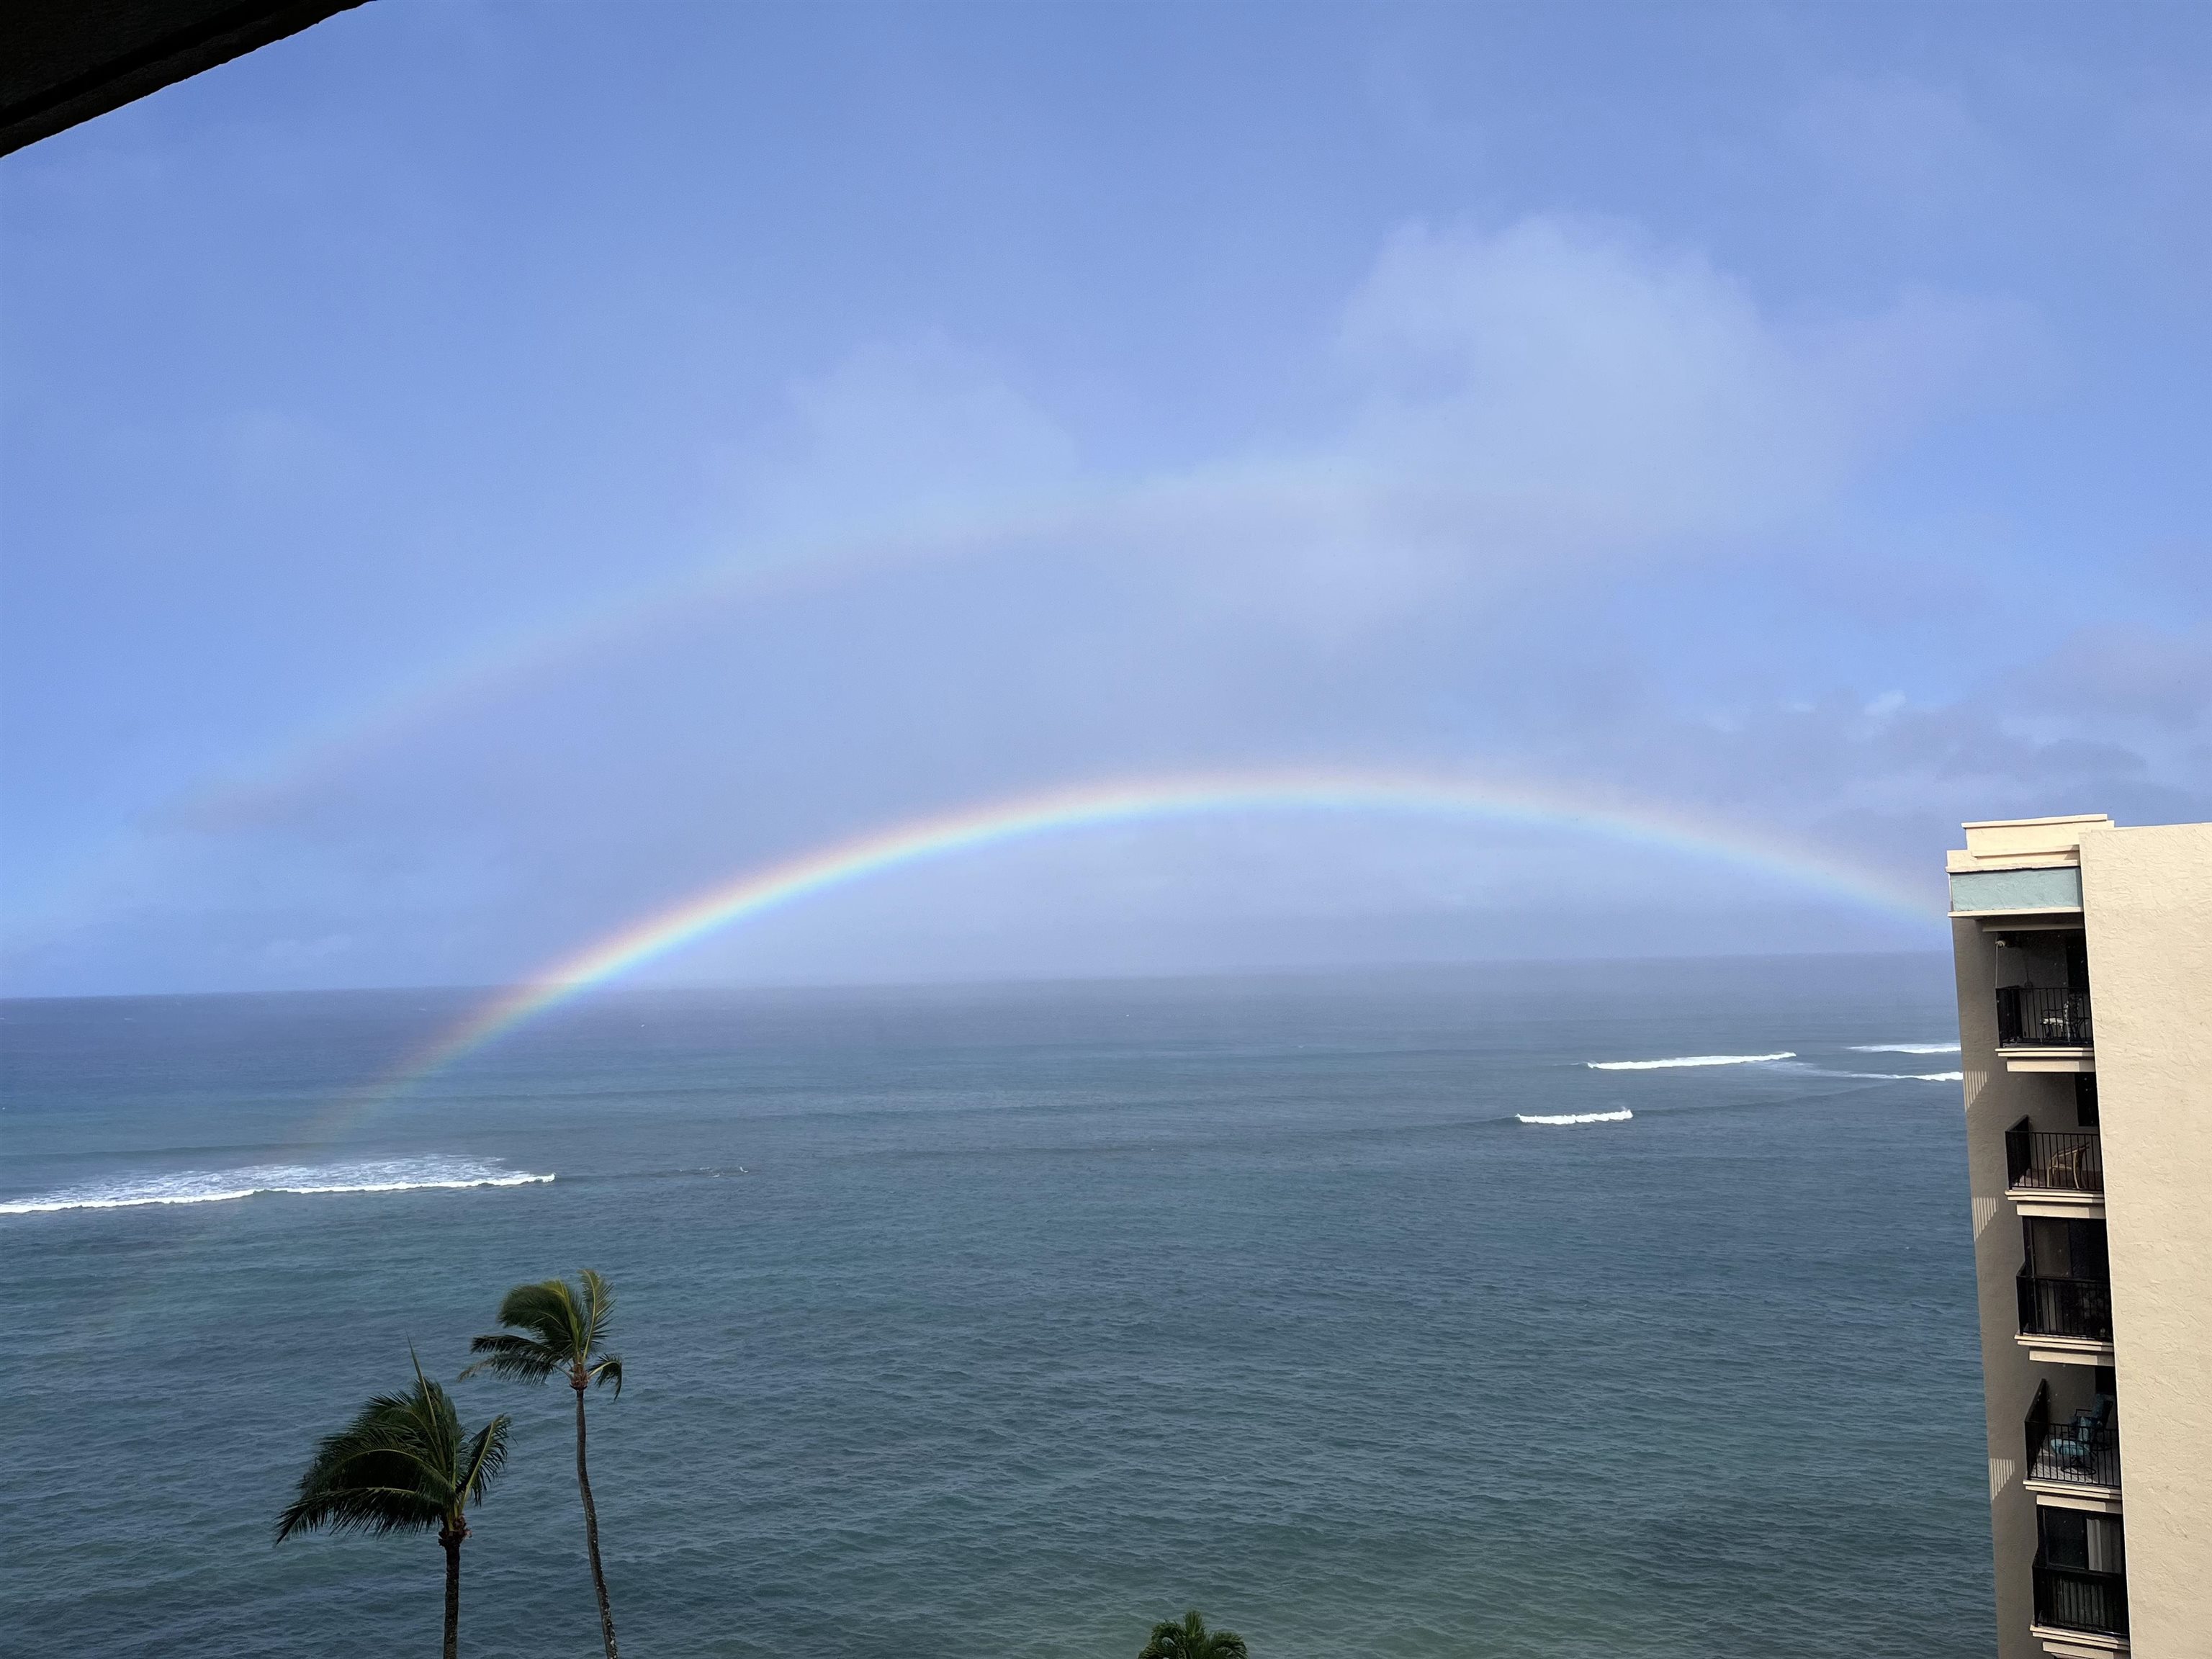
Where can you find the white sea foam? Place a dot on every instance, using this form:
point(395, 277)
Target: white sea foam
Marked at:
point(1685, 1060)
point(220, 1186)
point(1621, 1116)
point(1880, 1077)
point(1905, 1047)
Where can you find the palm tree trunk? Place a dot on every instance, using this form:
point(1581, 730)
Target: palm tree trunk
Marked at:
point(591, 1528)
point(451, 1541)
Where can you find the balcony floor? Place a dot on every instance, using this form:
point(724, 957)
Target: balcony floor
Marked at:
point(2073, 1495)
point(2066, 1349)
point(2077, 1643)
point(2057, 1202)
point(2027, 1059)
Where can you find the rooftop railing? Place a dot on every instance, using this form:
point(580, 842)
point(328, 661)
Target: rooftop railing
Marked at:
point(2058, 1161)
point(2035, 1017)
point(2080, 1307)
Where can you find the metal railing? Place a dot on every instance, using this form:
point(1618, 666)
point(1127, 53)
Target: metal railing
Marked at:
point(2033, 1017)
point(2075, 1598)
point(2061, 1161)
point(2082, 1451)
point(2065, 1307)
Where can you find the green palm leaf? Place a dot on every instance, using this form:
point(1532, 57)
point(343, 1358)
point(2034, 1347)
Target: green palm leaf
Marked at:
point(402, 1465)
point(1190, 1639)
point(522, 1358)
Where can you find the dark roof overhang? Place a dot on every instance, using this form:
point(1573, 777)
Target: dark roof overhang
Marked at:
point(66, 61)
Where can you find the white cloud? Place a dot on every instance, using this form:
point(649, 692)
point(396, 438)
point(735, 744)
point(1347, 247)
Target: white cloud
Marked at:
point(1556, 396)
point(1556, 377)
point(1548, 397)
point(903, 440)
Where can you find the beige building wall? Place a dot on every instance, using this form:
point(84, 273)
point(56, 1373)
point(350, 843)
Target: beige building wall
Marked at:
point(2147, 898)
point(2145, 909)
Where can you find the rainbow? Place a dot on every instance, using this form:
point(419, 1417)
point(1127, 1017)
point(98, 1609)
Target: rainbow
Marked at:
point(512, 656)
point(756, 890)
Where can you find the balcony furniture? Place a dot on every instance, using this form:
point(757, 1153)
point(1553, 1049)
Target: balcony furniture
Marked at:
point(2084, 1450)
point(2037, 1017)
point(2062, 1161)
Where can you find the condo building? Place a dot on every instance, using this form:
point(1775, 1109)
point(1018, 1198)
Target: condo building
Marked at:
point(2084, 958)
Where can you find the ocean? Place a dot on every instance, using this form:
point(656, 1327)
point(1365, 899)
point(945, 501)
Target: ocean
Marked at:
point(1567, 1311)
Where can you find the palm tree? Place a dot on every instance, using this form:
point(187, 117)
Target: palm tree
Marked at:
point(563, 1331)
point(1192, 1640)
point(402, 1465)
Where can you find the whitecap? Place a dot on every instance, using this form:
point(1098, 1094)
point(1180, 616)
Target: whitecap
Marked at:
point(1621, 1116)
point(1879, 1077)
point(1685, 1060)
point(222, 1186)
point(1905, 1047)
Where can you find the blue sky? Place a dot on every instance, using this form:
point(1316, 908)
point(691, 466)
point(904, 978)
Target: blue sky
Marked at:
point(476, 473)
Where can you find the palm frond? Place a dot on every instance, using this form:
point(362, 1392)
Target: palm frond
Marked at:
point(1188, 1638)
point(367, 1477)
point(523, 1358)
point(437, 1425)
point(1167, 1642)
point(549, 1311)
point(485, 1458)
point(359, 1508)
point(608, 1370)
point(399, 1467)
point(561, 1329)
point(599, 1306)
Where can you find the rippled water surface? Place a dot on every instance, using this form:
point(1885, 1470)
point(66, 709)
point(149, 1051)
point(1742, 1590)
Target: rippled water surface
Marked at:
point(1010, 1319)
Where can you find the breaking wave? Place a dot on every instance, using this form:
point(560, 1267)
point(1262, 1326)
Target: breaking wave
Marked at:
point(220, 1186)
point(1880, 1077)
point(1905, 1047)
point(1686, 1060)
point(1621, 1116)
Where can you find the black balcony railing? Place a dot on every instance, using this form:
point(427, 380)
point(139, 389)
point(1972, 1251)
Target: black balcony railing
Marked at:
point(2075, 1598)
point(2083, 1450)
point(2031, 1016)
point(2065, 1307)
point(2061, 1161)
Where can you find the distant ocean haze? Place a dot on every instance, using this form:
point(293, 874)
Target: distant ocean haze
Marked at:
point(1359, 1311)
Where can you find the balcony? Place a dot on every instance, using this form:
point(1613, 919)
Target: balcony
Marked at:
point(2055, 1172)
point(2038, 1017)
point(2068, 1320)
point(2079, 1599)
point(2079, 1455)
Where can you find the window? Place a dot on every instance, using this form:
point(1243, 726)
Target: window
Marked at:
point(2081, 1542)
point(2066, 1249)
point(2085, 1099)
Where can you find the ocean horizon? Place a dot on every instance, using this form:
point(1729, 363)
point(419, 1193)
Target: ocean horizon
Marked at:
point(1543, 1309)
